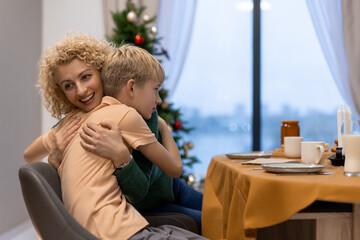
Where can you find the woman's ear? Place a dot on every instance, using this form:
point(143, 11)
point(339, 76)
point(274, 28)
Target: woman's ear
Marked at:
point(130, 85)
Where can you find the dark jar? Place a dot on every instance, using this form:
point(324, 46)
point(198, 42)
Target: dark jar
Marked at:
point(288, 129)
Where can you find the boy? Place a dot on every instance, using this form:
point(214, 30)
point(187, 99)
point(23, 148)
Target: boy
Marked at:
point(146, 187)
point(90, 192)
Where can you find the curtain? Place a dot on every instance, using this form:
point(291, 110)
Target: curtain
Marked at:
point(351, 30)
point(327, 20)
point(174, 22)
point(108, 7)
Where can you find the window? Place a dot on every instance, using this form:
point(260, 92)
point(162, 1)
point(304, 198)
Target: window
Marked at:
point(215, 89)
point(296, 81)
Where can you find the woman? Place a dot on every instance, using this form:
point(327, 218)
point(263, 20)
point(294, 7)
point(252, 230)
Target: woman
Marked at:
point(104, 140)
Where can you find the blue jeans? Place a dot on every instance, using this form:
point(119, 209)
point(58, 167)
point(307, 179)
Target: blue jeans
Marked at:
point(187, 201)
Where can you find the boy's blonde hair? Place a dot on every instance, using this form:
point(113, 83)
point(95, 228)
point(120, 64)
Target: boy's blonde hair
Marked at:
point(129, 62)
point(88, 49)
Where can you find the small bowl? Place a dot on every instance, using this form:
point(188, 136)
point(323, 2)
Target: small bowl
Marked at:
point(335, 161)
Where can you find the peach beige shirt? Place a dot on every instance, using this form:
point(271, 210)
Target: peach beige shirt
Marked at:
point(90, 190)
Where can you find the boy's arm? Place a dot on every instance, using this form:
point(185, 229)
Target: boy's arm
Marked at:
point(167, 140)
point(36, 151)
point(170, 164)
point(166, 158)
point(161, 154)
point(133, 180)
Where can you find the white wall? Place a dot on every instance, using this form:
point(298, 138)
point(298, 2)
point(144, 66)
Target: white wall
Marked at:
point(60, 17)
point(20, 121)
point(81, 16)
point(27, 27)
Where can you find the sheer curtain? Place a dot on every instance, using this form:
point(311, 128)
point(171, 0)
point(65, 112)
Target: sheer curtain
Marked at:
point(351, 30)
point(328, 23)
point(174, 22)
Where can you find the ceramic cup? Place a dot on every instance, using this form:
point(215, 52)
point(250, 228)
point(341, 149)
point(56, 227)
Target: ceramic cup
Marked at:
point(292, 147)
point(313, 152)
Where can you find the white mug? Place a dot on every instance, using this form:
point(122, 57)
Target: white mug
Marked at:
point(313, 152)
point(292, 147)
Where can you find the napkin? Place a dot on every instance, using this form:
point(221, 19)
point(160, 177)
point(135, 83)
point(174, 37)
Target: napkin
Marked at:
point(259, 161)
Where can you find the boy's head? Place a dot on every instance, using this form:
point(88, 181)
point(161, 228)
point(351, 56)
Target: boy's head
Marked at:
point(134, 75)
point(85, 48)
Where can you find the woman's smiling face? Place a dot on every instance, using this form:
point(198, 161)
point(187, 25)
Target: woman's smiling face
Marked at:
point(80, 83)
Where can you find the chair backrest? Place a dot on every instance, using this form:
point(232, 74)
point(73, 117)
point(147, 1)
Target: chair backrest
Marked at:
point(41, 191)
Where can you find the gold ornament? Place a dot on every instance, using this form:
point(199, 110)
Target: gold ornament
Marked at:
point(153, 30)
point(187, 146)
point(146, 17)
point(131, 16)
point(191, 179)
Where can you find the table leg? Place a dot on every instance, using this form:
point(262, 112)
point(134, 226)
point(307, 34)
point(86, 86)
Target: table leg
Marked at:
point(356, 221)
point(330, 225)
point(334, 226)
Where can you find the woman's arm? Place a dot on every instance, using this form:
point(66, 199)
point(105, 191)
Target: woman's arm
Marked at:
point(36, 151)
point(161, 157)
point(61, 139)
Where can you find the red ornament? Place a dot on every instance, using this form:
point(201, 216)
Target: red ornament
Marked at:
point(139, 39)
point(177, 125)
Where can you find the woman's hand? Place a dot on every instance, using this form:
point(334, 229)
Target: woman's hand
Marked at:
point(62, 139)
point(162, 126)
point(106, 141)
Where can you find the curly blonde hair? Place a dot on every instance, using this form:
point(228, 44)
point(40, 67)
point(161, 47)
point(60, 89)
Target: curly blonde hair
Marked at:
point(129, 62)
point(88, 49)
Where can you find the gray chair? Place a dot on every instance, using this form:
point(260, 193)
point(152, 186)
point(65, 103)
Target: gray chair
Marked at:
point(41, 191)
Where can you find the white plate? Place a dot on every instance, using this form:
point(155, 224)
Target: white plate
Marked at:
point(249, 155)
point(292, 167)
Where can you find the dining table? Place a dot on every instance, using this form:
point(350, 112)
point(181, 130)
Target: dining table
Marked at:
point(240, 199)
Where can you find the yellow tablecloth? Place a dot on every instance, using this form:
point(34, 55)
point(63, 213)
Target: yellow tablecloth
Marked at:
point(238, 199)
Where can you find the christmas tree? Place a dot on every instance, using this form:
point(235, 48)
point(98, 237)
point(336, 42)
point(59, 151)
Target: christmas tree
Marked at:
point(133, 25)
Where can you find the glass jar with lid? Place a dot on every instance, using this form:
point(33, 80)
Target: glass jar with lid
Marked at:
point(289, 128)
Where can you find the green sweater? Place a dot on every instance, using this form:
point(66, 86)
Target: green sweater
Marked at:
point(142, 182)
